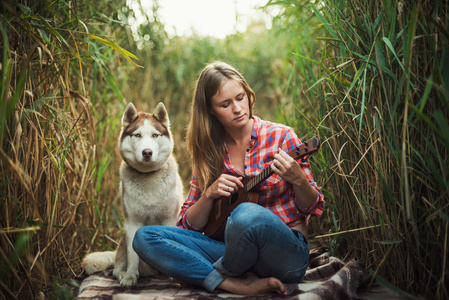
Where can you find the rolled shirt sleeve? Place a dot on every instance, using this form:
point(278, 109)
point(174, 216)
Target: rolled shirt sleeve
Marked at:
point(290, 142)
point(192, 197)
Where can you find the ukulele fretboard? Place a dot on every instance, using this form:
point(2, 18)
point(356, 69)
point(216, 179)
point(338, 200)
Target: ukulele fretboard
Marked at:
point(295, 153)
point(258, 178)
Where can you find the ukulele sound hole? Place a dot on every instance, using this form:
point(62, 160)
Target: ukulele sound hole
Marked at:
point(233, 198)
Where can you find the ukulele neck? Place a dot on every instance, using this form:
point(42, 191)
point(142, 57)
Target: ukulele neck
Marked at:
point(253, 182)
point(298, 152)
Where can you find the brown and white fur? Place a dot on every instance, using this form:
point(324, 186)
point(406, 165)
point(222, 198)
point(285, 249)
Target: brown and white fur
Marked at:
point(150, 187)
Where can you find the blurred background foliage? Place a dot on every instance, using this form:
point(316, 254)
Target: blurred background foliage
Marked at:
point(371, 78)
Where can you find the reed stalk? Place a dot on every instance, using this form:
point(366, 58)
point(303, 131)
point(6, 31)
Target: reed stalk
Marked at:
point(379, 79)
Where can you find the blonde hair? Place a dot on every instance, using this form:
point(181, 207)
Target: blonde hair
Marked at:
point(205, 134)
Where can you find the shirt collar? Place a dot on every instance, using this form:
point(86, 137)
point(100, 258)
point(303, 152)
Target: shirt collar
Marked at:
point(256, 129)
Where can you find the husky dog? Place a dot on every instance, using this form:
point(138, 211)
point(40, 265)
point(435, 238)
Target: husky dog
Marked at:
point(150, 188)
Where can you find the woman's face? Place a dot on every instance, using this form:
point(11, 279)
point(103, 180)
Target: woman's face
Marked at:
point(231, 105)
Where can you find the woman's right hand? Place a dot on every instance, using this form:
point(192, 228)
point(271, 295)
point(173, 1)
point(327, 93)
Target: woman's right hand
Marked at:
point(224, 186)
point(198, 214)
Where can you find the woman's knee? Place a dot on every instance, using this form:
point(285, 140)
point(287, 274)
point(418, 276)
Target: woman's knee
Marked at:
point(248, 215)
point(138, 239)
point(143, 237)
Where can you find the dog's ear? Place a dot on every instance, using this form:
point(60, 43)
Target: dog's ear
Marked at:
point(129, 115)
point(160, 113)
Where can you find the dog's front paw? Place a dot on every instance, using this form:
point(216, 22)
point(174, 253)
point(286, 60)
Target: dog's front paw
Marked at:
point(129, 280)
point(119, 273)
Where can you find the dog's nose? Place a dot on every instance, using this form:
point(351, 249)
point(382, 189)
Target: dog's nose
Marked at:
point(147, 153)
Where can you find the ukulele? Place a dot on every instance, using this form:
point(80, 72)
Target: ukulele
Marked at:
point(223, 206)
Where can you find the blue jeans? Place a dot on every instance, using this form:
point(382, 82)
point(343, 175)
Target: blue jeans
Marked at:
point(256, 240)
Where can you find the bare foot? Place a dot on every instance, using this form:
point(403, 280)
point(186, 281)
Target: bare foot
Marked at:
point(250, 284)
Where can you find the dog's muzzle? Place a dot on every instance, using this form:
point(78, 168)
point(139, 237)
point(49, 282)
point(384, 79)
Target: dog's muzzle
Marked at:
point(146, 154)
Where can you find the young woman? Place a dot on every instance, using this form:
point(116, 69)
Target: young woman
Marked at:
point(265, 244)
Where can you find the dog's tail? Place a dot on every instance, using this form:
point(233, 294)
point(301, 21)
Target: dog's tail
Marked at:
point(98, 261)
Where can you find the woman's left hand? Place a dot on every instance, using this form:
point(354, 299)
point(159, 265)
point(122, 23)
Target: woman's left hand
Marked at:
point(286, 167)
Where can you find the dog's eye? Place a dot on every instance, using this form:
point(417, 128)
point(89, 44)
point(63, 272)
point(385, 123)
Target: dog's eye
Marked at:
point(155, 135)
point(137, 135)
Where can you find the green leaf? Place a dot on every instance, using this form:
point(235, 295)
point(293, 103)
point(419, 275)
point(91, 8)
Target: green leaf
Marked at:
point(106, 246)
point(125, 53)
point(373, 63)
point(430, 123)
point(390, 46)
point(97, 211)
point(390, 286)
point(362, 109)
point(315, 61)
point(321, 38)
point(323, 21)
point(426, 93)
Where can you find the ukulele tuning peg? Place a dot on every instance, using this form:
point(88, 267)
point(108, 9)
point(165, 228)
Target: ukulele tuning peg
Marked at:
point(303, 160)
point(306, 143)
point(306, 149)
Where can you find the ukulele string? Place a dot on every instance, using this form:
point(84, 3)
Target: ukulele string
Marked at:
point(298, 152)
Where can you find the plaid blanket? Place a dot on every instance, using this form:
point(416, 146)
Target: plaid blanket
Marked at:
point(326, 278)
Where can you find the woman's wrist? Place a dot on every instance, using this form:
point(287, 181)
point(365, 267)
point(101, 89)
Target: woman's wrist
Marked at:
point(306, 195)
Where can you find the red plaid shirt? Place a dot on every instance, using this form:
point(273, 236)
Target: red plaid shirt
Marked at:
point(275, 193)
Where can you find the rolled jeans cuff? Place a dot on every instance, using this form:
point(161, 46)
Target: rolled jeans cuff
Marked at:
point(218, 265)
point(212, 280)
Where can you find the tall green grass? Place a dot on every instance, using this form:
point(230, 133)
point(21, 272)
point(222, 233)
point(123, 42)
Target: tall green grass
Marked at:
point(379, 79)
